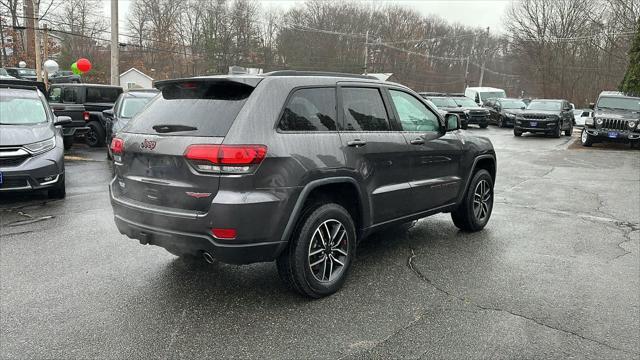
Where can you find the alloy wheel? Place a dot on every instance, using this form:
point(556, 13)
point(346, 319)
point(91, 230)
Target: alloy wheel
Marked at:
point(584, 137)
point(328, 250)
point(92, 137)
point(482, 200)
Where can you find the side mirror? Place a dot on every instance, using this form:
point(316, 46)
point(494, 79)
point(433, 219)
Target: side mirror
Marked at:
point(592, 106)
point(108, 113)
point(62, 120)
point(452, 122)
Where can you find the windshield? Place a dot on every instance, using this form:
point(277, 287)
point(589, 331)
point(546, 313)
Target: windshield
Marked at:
point(493, 95)
point(545, 105)
point(132, 105)
point(443, 102)
point(3, 72)
point(621, 103)
point(465, 101)
point(27, 72)
point(512, 104)
point(21, 108)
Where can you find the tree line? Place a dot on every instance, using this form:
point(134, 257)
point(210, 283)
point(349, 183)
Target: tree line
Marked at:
point(569, 49)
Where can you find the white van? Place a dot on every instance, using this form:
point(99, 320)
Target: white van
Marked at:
point(481, 94)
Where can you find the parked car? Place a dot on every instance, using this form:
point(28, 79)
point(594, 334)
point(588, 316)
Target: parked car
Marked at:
point(292, 166)
point(31, 151)
point(581, 115)
point(445, 104)
point(22, 73)
point(503, 112)
point(4, 74)
point(84, 103)
point(482, 94)
point(62, 76)
point(615, 119)
point(473, 113)
point(126, 107)
point(550, 117)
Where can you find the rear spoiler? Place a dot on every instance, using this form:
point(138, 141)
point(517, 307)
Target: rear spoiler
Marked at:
point(24, 84)
point(252, 81)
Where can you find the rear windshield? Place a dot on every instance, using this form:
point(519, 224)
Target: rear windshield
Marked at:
point(209, 107)
point(102, 94)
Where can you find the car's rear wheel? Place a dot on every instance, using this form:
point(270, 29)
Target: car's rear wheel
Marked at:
point(59, 190)
point(95, 136)
point(475, 210)
point(484, 125)
point(585, 138)
point(517, 132)
point(320, 252)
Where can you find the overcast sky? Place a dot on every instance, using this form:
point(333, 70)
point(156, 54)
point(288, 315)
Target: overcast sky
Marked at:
point(481, 13)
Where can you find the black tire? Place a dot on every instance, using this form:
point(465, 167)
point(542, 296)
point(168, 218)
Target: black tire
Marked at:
point(95, 136)
point(484, 125)
point(59, 191)
point(569, 131)
point(465, 126)
point(585, 139)
point(500, 122)
point(557, 132)
point(467, 217)
point(517, 132)
point(295, 264)
point(68, 142)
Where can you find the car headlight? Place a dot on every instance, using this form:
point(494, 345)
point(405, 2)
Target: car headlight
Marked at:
point(512, 116)
point(41, 146)
point(631, 124)
point(599, 121)
point(552, 117)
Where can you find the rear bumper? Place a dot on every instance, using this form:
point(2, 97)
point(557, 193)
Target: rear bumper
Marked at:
point(620, 136)
point(73, 131)
point(259, 226)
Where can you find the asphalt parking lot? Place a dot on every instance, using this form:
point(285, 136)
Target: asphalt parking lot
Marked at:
point(555, 274)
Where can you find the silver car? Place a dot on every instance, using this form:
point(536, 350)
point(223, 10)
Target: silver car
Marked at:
point(31, 148)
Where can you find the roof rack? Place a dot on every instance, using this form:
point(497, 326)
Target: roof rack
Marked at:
point(433, 93)
point(318, 73)
point(23, 85)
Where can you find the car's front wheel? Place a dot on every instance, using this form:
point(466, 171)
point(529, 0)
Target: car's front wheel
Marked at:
point(475, 210)
point(320, 252)
point(557, 132)
point(585, 138)
point(517, 132)
point(500, 122)
point(59, 190)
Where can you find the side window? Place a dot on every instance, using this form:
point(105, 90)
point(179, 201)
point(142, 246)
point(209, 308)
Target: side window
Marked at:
point(364, 110)
point(69, 95)
point(55, 95)
point(310, 110)
point(414, 115)
point(104, 95)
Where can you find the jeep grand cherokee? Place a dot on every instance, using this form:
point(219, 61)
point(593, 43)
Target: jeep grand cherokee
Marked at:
point(294, 167)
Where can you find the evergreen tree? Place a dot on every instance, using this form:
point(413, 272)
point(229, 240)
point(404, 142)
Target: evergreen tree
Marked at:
point(631, 82)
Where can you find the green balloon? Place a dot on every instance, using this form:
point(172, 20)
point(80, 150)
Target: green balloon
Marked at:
point(75, 70)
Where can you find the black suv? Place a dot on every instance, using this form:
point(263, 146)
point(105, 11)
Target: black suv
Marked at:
point(445, 104)
point(550, 117)
point(473, 113)
point(84, 104)
point(503, 112)
point(616, 118)
point(292, 166)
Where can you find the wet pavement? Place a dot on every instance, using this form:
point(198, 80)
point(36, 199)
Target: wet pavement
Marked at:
point(555, 274)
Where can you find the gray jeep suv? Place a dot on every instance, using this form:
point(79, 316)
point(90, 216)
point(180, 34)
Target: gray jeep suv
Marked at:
point(292, 166)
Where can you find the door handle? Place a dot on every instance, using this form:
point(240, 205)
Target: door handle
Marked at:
point(356, 143)
point(418, 141)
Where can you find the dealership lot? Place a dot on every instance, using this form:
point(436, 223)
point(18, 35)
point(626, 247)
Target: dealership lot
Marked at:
point(554, 274)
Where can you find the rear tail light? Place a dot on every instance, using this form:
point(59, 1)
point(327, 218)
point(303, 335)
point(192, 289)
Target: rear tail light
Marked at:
point(85, 116)
point(228, 159)
point(226, 234)
point(117, 146)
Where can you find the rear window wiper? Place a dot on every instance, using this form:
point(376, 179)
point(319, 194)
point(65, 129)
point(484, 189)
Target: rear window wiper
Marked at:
point(173, 128)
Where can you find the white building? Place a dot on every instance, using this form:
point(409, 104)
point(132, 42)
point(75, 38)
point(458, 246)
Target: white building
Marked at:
point(135, 79)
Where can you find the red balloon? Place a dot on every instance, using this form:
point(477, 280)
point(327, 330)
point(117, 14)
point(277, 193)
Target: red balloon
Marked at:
point(84, 65)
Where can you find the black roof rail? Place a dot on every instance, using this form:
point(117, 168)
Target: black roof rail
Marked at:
point(433, 93)
point(23, 85)
point(318, 73)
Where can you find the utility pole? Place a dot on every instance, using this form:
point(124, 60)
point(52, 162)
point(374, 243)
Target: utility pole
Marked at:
point(36, 39)
point(484, 58)
point(45, 39)
point(366, 52)
point(115, 51)
point(466, 71)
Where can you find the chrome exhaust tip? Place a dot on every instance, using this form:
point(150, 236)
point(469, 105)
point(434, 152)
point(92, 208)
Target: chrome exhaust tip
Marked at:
point(208, 258)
